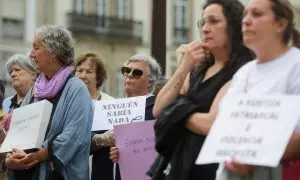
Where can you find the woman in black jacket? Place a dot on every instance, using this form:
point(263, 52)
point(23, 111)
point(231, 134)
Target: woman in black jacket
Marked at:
point(220, 54)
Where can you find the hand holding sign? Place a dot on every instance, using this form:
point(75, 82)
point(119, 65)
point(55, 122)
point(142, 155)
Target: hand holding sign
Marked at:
point(114, 154)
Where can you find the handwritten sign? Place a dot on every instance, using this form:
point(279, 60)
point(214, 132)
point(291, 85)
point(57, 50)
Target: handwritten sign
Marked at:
point(28, 127)
point(253, 129)
point(109, 113)
point(135, 144)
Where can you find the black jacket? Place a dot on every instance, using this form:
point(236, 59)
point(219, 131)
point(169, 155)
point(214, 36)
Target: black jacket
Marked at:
point(174, 142)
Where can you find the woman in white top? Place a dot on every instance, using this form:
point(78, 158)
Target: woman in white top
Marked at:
point(89, 67)
point(268, 30)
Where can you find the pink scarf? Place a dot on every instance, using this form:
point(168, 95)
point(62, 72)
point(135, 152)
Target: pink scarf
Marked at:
point(47, 89)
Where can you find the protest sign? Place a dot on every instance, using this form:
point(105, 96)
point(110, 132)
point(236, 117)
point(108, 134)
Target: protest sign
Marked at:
point(28, 127)
point(109, 113)
point(254, 130)
point(135, 143)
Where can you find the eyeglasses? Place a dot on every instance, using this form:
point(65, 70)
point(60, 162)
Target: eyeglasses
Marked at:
point(136, 73)
point(209, 21)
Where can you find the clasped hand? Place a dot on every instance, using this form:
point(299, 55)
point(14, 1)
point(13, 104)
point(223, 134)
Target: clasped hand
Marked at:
point(192, 53)
point(19, 160)
point(239, 168)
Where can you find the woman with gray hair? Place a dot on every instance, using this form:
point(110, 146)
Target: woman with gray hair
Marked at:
point(146, 72)
point(67, 140)
point(23, 73)
point(141, 74)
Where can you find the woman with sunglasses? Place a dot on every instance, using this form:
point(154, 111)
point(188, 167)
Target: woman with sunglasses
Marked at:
point(269, 30)
point(90, 69)
point(219, 55)
point(141, 74)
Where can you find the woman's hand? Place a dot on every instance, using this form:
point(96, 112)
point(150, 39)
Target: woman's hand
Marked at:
point(192, 53)
point(20, 160)
point(114, 154)
point(111, 137)
point(238, 168)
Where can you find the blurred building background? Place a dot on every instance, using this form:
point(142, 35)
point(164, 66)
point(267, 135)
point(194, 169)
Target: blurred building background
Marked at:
point(114, 29)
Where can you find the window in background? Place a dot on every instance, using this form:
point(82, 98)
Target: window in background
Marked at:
point(123, 9)
point(180, 23)
point(101, 7)
point(79, 6)
point(12, 28)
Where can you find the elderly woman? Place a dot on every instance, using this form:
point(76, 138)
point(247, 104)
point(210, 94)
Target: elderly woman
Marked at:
point(141, 74)
point(23, 73)
point(90, 69)
point(67, 141)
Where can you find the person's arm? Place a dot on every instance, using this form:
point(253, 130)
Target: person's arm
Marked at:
point(171, 90)
point(186, 84)
point(41, 155)
point(21, 160)
point(77, 122)
point(293, 148)
point(193, 53)
point(102, 140)
point(200, 123)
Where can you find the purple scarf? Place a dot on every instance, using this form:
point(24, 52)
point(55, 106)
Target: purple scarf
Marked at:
point(47, 89)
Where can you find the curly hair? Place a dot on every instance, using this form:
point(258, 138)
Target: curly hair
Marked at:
point(101, 74)
point(233, 11)
point(58, 40)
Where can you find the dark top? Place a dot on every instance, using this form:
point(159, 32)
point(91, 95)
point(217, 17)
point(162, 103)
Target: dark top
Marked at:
point(14, 103)
point(102, 166)
point(203, 94)
point(174, 142)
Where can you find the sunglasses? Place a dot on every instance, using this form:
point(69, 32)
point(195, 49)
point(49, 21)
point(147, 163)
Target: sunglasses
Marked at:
point(136, 73)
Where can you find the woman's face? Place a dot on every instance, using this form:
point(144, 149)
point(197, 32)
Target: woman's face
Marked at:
point(259, 25)
point(40, 54)
point(214, 27)
point(137, 86)
point(21, 77)
point(86, 71)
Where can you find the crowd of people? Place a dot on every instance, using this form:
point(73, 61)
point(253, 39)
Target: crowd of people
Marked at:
point(243, 50)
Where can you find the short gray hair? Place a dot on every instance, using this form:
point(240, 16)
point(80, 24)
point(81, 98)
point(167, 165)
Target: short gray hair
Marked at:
point(154, 69)
point(23, 61)
point(58, 40)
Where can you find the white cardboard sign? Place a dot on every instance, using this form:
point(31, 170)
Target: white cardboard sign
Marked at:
point(28, 127)
point(254, 130)
point(109, 113)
